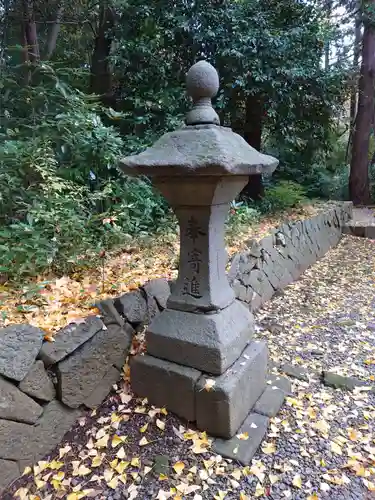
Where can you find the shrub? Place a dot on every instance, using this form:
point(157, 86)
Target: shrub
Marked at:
point(282, 196)
point(241, 216)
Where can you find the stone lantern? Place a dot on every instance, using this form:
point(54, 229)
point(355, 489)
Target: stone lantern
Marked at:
point(201, 362)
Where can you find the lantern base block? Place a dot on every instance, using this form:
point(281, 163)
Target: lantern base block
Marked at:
point(206, 342)
point(218, 405)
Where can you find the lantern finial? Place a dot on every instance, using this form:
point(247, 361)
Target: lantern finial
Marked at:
point(202, 82)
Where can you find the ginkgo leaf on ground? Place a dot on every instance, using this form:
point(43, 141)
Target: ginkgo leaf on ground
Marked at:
point(102, 442)
point(297, 481)
point(259, 490)
point(116, 440)
point(269, 448)
point(160, 424)
point(335, 448)
point(179, 467)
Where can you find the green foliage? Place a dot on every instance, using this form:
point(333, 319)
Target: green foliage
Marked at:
point(240, 217)
point(62, 198)
point(282, 196)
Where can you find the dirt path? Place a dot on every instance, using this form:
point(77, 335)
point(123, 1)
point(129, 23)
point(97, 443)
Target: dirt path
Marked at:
point(320, 446)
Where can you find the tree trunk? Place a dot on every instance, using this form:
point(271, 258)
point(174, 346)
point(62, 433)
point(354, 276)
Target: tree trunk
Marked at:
point(54, 32)
point(359, 179)
point(29, 39)
point(252, 134)
point(354, 87)
point(101, 78)
point(29, 30)
point(356, 54)
point(328, 10)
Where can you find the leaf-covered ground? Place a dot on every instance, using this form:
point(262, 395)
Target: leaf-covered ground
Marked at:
point(320, 446)
point(51, 302)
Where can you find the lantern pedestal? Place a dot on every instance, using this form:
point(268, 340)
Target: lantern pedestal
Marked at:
point(201, 362)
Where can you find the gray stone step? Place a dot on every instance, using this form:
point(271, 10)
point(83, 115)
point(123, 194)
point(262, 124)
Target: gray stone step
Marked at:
point(243, 450)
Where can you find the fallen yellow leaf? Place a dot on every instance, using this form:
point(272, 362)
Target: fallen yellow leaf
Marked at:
point(297, 481)
point(26, 471)
point(244, 436)
point(96, 461)
point(102, 442)
point(259, 490)
point(121, 453)
point(209, 385)
point(335, 448)
point(122, 466)
point(144, 427)
point(179, 467)
point(83, 470)
point(113, 483)
point(269, 448)
point(160, 424)
point(59, 476)
point(116, 440)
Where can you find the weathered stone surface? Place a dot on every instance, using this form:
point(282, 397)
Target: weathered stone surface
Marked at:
point(56, 420)
point(160, 465)
point(221, 410)
point(205, 150)
point(80, 373)
point(282, 383)
point(295, 372)
point(9, 471)
point(19, 346)
point(152, 308)
point(270, 401)
point(15, 405)
point(29, 443)
point(242, 450)
point(37, 383)
point(243, 293)
point(260, 284)
point(69, 339)
point(280, 239)
point(103, 388)
point(268, 269)
point(247, 264)
point(256, 302)
point(370, 232)
point(159, 289)
point(268, 242)
point(255, 249)
point(133, 306)
point(15, 440)
point(201, 208)
point(110, 313)
point(165, 384)
point(207, 342)
point(342, 382)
